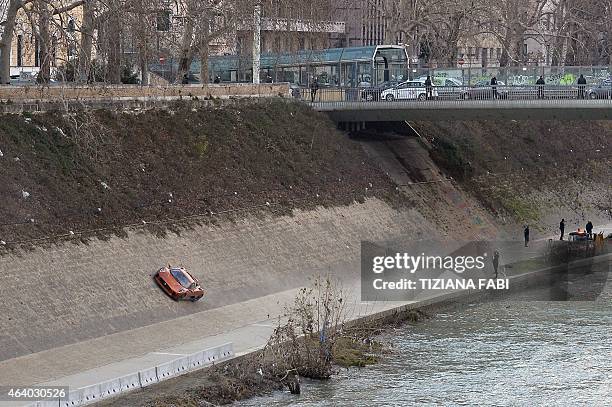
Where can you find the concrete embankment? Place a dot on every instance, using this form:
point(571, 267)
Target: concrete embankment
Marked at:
point(253, 198)
point(364, 313)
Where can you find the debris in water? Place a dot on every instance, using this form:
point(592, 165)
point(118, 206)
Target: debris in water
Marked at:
point(1, 154)
point(25, 194)
point(104, 185)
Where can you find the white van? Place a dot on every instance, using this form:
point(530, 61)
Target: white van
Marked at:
point(407, 90)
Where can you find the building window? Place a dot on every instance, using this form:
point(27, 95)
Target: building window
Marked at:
point(20, 50)
point(163, 20)
point(498, 53)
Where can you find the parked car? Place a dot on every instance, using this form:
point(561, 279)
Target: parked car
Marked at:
point(442, 81)
point(407, 90)
point(295, 90)
point(483, 90)
point(447, 88)
point(601, 91)
point(23, 79)
point(178, 284)
point(372, 93)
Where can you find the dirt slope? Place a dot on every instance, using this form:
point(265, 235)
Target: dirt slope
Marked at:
point(64, 173)
point(531, 171)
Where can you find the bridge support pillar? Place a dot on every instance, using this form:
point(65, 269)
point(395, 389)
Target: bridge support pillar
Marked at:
point(352, 126)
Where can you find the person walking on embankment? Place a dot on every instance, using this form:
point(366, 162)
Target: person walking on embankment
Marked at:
point(540, 85)
point(526, 234)
point(562, 228)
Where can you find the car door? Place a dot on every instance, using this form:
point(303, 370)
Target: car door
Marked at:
point(606, 90)
point(415, 89)
point(403, 91)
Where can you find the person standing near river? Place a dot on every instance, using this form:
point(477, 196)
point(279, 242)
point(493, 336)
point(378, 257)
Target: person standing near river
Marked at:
point(562, 228)
point(589, 229)
point(526, 234)
point(496, 262)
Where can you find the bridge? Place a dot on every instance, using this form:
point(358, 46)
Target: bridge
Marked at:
point(523, 104)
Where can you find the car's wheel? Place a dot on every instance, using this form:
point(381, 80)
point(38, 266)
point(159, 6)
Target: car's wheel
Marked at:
point(422, 97)
point(592, 95)
point(389, 98)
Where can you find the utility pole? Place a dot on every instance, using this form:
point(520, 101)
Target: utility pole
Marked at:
point(256, 42)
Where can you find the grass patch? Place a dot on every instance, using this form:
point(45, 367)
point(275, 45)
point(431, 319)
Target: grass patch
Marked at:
point(351, 352)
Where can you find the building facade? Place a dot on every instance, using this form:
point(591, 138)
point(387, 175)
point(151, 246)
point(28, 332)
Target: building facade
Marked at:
point(26, 57)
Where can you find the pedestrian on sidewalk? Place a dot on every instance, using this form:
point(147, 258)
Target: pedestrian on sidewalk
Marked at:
point(526, 233)
point(494, 86)
point(589, 229)
point(495, 262)
point(314, 87)
point(562, 228)
point(581, 86)
point(428, 88)
point(540, 84)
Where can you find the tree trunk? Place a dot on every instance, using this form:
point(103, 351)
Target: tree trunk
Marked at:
point(84, 67)
point(114, 44)
point(204, 51)
point(186, 53)
point(5, 42)
point(44, 40)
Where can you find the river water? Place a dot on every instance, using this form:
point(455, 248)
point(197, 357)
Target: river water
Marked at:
point(514, 352)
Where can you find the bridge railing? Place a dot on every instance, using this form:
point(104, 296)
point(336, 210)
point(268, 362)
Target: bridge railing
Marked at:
point(459, 94)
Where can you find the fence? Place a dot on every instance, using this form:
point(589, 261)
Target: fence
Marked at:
point(142, 378)
point(411, 94)
point(527, 75)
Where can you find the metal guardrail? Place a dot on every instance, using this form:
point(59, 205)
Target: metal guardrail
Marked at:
point(142, 378)
point(486, 94)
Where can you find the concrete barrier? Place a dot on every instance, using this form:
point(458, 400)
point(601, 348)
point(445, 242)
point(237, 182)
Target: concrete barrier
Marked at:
point(143, 378)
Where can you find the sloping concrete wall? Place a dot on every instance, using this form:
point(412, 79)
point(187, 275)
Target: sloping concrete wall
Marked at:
point(69, 293)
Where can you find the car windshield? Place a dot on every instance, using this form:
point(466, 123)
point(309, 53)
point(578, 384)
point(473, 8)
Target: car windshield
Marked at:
point(182, 278)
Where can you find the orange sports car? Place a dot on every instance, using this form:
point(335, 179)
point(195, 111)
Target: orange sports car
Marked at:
point(178, 283)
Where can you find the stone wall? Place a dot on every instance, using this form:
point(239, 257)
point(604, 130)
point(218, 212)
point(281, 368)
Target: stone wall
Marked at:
point(99, 92)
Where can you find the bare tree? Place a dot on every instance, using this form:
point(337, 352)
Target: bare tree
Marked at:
point(8, 17)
